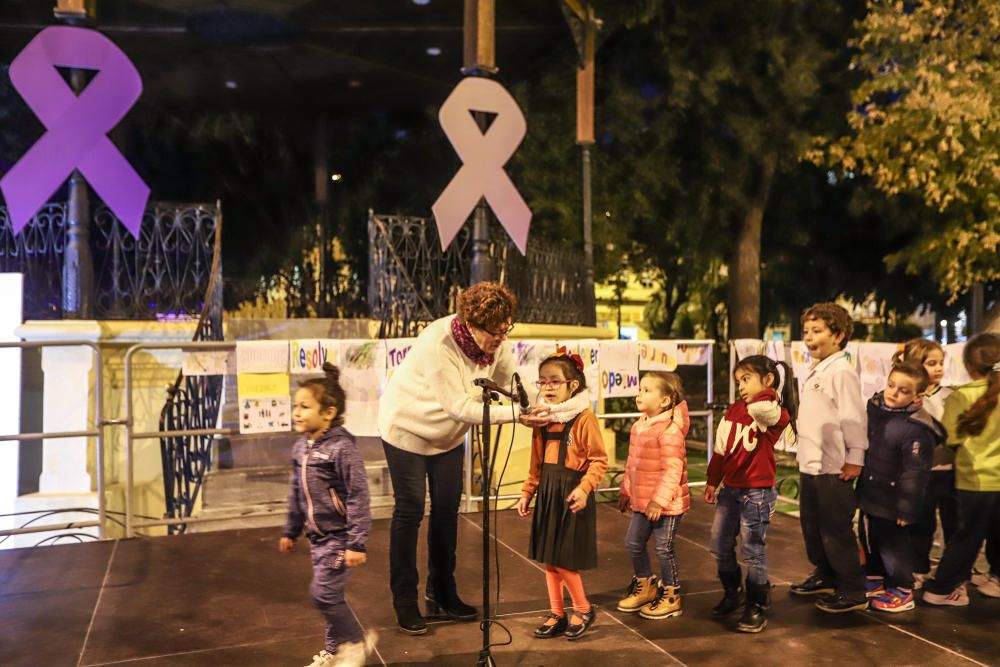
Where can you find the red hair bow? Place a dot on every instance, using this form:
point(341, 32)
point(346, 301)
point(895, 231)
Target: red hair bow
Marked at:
point(577, 360)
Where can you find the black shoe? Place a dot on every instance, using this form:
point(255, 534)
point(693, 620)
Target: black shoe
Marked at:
point(410, 621)
point(813, 585)
point(754, 617)
point(733, 597)
point(575, 631)
point(838, 604)
point(453, 609)
point(550, 630)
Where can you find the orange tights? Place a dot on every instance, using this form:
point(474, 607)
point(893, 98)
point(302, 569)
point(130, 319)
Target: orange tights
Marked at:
point(555, 579)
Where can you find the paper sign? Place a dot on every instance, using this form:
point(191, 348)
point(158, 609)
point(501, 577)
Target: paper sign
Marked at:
point(619, 368)
point(689, 354)
point(308, 356)
point(256, 385)
point(875, 361)
point(747, 347)
point(208, 362)
point(362, 373)
point(396, 350)
point(801, 362)
point(528, 354)
point(268, 414)
point(775, 349)
point(954, 368)
point(657, 355)
point(262, 356)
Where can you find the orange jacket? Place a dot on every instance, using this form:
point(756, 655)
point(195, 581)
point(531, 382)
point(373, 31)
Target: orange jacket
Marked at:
point(656, 469)
point(584, 452)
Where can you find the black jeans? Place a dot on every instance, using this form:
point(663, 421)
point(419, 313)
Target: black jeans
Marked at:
point(938, 497)
point(978, 519)
point(826, 510)
point(411, 475)
point(888, 550)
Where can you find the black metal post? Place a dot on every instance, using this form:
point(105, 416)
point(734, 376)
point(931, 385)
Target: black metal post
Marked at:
point(485, 656)
point(78, 264)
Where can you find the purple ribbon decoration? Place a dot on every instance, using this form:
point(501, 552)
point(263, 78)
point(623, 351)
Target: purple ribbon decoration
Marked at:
point(483, 158)
point(77, 127)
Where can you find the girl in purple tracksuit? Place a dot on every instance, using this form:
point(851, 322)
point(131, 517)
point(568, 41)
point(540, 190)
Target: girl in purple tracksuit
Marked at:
point(329, 499)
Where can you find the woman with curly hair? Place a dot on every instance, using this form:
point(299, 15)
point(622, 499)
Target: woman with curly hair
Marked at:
point(427, 407)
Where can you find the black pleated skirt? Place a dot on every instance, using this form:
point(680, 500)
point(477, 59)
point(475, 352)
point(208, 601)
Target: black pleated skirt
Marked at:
point(558, 536)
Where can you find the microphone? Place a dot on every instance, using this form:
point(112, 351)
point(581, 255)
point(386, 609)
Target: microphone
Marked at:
point(486, 383)
point(522, 395)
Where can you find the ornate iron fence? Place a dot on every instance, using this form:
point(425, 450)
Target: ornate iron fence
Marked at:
point(411, 281)
point(193, 404)
point(162, 273)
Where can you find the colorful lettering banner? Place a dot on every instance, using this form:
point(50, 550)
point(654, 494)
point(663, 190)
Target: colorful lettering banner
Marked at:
point(619, 364)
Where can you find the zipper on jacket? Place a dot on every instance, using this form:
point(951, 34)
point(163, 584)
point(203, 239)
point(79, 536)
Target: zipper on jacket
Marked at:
point(310, 519)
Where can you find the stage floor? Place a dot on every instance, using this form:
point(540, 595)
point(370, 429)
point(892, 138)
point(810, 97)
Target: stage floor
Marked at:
point(229, 598)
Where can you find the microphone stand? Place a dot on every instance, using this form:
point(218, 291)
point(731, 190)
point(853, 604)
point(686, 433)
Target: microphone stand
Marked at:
point(485, 655)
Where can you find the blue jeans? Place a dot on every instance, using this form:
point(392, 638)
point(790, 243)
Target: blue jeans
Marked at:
point(663, 531)
point(747, 513)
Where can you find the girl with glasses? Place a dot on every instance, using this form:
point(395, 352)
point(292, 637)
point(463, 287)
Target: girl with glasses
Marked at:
point(567, 463)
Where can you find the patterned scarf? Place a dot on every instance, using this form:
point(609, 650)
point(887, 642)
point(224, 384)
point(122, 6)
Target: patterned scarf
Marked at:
point(467, 343)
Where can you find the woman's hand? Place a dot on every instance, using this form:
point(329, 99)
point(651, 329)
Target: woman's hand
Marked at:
point(539, 415)
point(849, 472)
point(286, 545)
point(522, 506)
point(355, 558)
point(653, 511)
point(577, 500)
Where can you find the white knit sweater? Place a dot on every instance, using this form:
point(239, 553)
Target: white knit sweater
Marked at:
point(430, 401)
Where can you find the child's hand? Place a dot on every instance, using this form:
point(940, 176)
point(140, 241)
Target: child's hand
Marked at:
point(653, 511)
point(710, 495)
point(624, 502)
point(355, 558)
point(577, 500)
point(286, 545)
point(522, 506)
point(849, 472)
point(901, 522)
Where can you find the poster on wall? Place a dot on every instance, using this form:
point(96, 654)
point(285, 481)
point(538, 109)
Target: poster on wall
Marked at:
point(528, 354)
point(362, 373)
point(657, 355)
point(308, 356)
point(262, 356)
point(589, 351)
point(265, 405)
point(875, 363)
point(619, 368)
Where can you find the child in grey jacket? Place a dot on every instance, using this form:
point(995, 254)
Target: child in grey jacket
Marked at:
point(329, 499)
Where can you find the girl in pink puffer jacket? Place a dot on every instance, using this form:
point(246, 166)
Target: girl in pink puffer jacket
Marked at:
point(655, 489)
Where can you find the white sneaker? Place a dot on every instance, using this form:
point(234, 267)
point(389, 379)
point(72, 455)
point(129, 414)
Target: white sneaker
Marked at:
point(324, 659)
point(957, 598)
point(354, 654)
point(990, 587)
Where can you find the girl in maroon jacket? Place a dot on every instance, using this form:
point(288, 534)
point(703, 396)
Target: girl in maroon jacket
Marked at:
point(743, 460)
point(655, 489)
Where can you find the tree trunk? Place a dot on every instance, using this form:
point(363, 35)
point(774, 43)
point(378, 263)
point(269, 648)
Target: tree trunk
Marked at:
point(744, 275)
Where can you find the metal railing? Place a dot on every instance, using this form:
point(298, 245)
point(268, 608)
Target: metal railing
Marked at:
point(96, 432)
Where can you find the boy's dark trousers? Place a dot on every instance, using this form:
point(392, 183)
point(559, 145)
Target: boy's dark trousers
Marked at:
point(978, 519)
point(888, 550)
point(939, 496)
point(826, 510)
point(327, 589)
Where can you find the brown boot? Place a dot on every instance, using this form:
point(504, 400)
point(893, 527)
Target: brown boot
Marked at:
point(640, 592)
point(666, 604)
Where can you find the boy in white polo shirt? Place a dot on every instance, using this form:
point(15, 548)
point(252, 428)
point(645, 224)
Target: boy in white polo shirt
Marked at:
point(832, 439)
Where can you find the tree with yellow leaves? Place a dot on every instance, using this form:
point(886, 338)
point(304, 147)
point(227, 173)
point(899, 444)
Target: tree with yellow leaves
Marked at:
point(926, 120)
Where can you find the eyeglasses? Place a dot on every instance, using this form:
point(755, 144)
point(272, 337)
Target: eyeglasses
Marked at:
point(498, 334)
point(550, 383)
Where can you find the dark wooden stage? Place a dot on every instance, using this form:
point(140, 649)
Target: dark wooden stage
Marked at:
point(229, 598)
